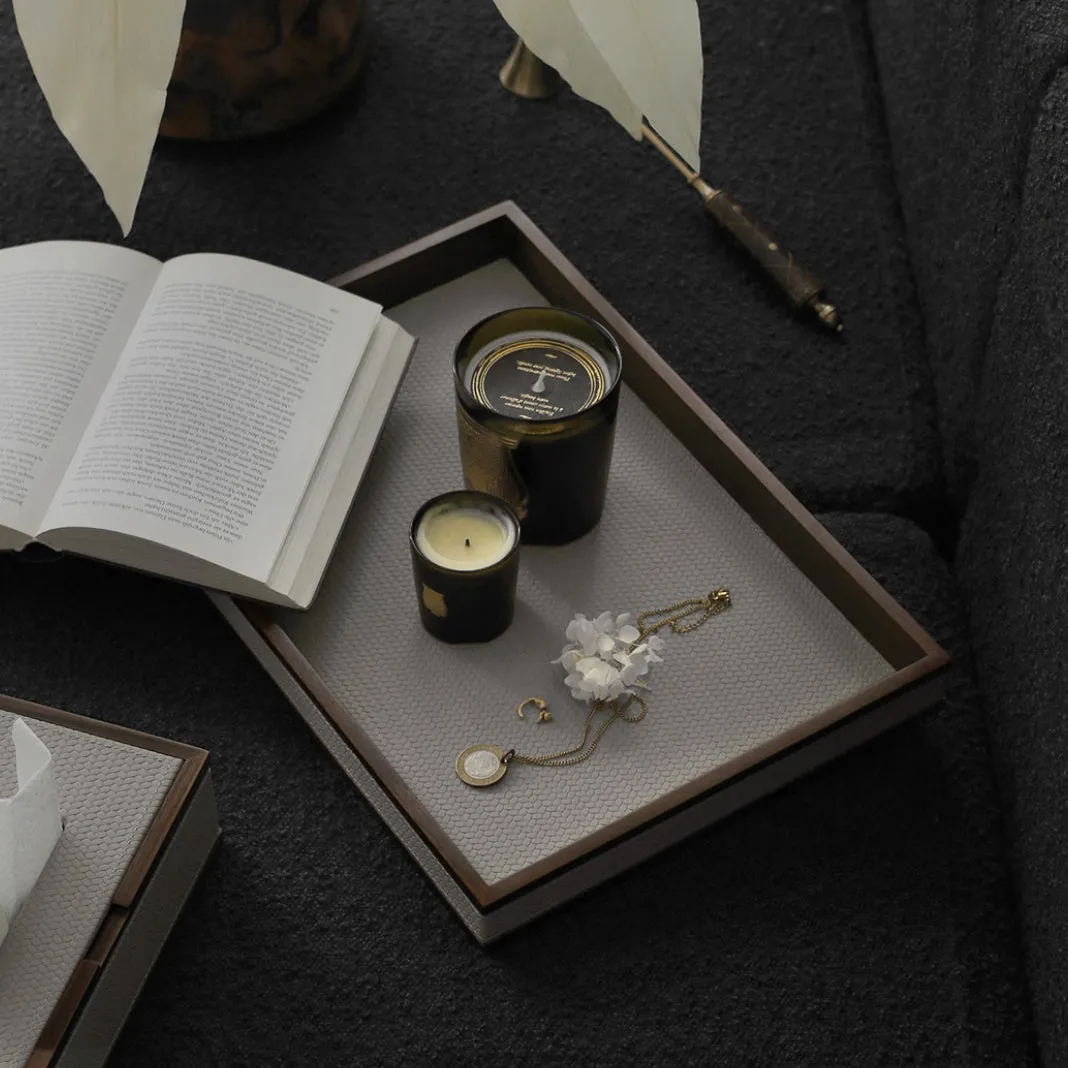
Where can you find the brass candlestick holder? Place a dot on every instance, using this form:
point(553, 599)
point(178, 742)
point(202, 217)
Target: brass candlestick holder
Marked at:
point(527, 76)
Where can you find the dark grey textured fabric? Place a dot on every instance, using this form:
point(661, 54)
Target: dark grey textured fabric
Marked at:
point(962, 81)
point(1014, 558)
point(862, 917)
point(433, 137)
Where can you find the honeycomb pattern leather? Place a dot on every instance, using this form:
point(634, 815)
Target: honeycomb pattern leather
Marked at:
point(109, 793)
point(781, 655)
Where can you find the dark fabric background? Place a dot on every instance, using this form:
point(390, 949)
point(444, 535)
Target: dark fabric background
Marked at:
point(976, 99)
point(865, 916)
point(963, 81)
point(1014, 557)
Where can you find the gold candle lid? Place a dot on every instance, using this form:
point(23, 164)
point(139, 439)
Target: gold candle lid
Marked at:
point(538, 375)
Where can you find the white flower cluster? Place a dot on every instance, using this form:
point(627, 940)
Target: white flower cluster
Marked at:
point(605, 658)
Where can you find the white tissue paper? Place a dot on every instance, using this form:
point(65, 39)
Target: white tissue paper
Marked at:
point(30, 823)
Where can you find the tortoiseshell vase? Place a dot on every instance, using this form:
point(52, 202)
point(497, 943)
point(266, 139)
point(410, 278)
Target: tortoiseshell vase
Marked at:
point(251, 67)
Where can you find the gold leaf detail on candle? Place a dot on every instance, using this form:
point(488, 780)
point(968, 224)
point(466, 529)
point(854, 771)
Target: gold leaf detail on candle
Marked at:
point(435, 602)
point(487, 463)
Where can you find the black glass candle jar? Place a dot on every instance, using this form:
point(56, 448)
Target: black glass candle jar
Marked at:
point(465, 555)
point(537, 392)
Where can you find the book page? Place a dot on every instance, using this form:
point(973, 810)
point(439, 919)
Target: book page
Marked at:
point(212, 425)
point(344, 462)
point(66, 310)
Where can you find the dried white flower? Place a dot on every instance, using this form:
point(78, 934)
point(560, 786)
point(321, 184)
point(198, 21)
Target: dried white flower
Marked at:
point(605, 657)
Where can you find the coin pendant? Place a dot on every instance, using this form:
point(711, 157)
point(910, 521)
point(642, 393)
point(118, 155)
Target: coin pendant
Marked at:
point(481, 765)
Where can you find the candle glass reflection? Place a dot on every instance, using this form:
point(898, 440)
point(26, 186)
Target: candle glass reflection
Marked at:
point(465, 559)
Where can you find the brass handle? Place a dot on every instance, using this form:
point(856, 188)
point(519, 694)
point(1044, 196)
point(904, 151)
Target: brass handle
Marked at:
point(798, 283)
point(803, 289)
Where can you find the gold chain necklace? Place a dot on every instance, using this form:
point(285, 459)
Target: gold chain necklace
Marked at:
point(484, 765)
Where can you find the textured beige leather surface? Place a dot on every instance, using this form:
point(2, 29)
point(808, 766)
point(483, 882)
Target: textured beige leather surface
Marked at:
point(779, 657)
point(161, 899)
point(110, 793)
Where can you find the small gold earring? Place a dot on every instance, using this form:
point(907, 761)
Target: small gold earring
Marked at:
point(544, 715)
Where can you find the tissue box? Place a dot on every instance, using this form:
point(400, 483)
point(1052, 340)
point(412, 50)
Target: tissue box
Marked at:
point(139, 825)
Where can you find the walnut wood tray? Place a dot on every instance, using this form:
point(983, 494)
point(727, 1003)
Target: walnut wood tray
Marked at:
point(812, 658)
point(139, 825)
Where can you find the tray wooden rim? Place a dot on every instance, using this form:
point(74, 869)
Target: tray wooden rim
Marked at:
point(505, 231)
point(194, 761)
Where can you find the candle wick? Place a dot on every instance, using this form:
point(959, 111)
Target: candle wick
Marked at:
point(539, 386)
point(467, 542)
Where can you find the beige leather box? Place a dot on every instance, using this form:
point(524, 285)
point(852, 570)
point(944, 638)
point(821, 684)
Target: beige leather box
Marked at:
point(139, 825)
point(812, 658)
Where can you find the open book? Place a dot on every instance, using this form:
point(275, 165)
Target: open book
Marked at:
point(208, 419)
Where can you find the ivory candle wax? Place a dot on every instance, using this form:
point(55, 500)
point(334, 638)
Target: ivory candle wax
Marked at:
point(537, 392)
point(465, 555)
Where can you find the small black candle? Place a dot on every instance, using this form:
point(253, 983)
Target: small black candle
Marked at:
point(465, 555)
point(537, 393)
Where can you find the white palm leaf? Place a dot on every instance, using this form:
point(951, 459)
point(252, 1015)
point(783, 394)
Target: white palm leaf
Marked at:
point(104, 66)
point(635, 58)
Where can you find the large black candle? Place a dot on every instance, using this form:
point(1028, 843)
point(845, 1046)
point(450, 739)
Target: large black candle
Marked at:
point(465, 556)
point(537, 392)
